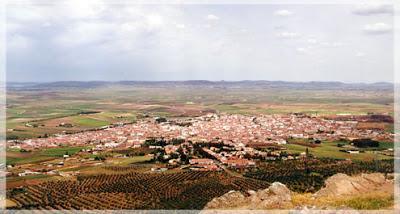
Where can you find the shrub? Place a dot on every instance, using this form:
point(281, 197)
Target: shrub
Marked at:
point(364, 143)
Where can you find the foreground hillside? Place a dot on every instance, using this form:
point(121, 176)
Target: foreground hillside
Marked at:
point(201, 190)
point(364, 191)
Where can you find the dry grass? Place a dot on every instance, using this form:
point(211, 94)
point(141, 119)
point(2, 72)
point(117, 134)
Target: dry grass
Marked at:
point(366, 201)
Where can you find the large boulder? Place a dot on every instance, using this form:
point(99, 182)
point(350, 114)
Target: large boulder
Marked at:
point(275, 196)
point(227, 201)
point(342, 184)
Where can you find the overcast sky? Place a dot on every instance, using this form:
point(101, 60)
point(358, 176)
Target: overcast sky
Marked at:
point(92, 41)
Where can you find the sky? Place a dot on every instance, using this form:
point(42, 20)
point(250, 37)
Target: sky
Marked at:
point(94, 40)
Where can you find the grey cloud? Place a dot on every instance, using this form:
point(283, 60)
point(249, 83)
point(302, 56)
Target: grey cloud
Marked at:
point(377, 28)
point(373, 9)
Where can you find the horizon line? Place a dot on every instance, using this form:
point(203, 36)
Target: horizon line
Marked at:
point(199, 80)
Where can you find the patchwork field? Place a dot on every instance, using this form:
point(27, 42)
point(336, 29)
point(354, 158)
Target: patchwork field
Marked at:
point(34, 113)
point(15, 157)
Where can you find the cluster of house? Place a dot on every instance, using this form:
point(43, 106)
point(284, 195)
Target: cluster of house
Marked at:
point(203, 164)
point(266, 129)
point(235, 156)
point(28, 172)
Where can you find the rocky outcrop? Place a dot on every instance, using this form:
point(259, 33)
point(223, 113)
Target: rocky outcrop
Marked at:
point(278, 196)
point(275, 196)
point(342, 184)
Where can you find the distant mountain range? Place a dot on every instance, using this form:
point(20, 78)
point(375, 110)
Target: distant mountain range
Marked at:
point(203, 84)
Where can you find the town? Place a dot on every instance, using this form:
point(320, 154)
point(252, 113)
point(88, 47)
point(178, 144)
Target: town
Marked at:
point(210, 142)
point(230, 129)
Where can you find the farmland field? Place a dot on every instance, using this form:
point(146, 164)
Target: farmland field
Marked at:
point(18, 157)
point(132, 191)
point(331, 150)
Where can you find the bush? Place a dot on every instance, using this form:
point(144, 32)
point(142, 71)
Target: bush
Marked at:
point(12, 137)
point(99, 158)
point(161, 120)
point(364, 143)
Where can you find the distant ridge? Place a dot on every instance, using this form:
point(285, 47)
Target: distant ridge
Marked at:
point(204, 84)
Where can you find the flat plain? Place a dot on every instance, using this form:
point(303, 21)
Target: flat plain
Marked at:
point(92, 107)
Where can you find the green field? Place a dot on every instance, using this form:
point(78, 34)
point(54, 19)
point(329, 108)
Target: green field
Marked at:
point(89, 122)
point(60, 151)
point(14, 157)
point(26, 160)
point(330, 150)
point(130, 160)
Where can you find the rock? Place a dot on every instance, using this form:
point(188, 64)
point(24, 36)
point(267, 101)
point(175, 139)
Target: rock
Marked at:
point(342, 184)
point(275, 196)
point(390, 176)
point(281, 191)
point(376, 178)
point(228, 200)
point(251, 192)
